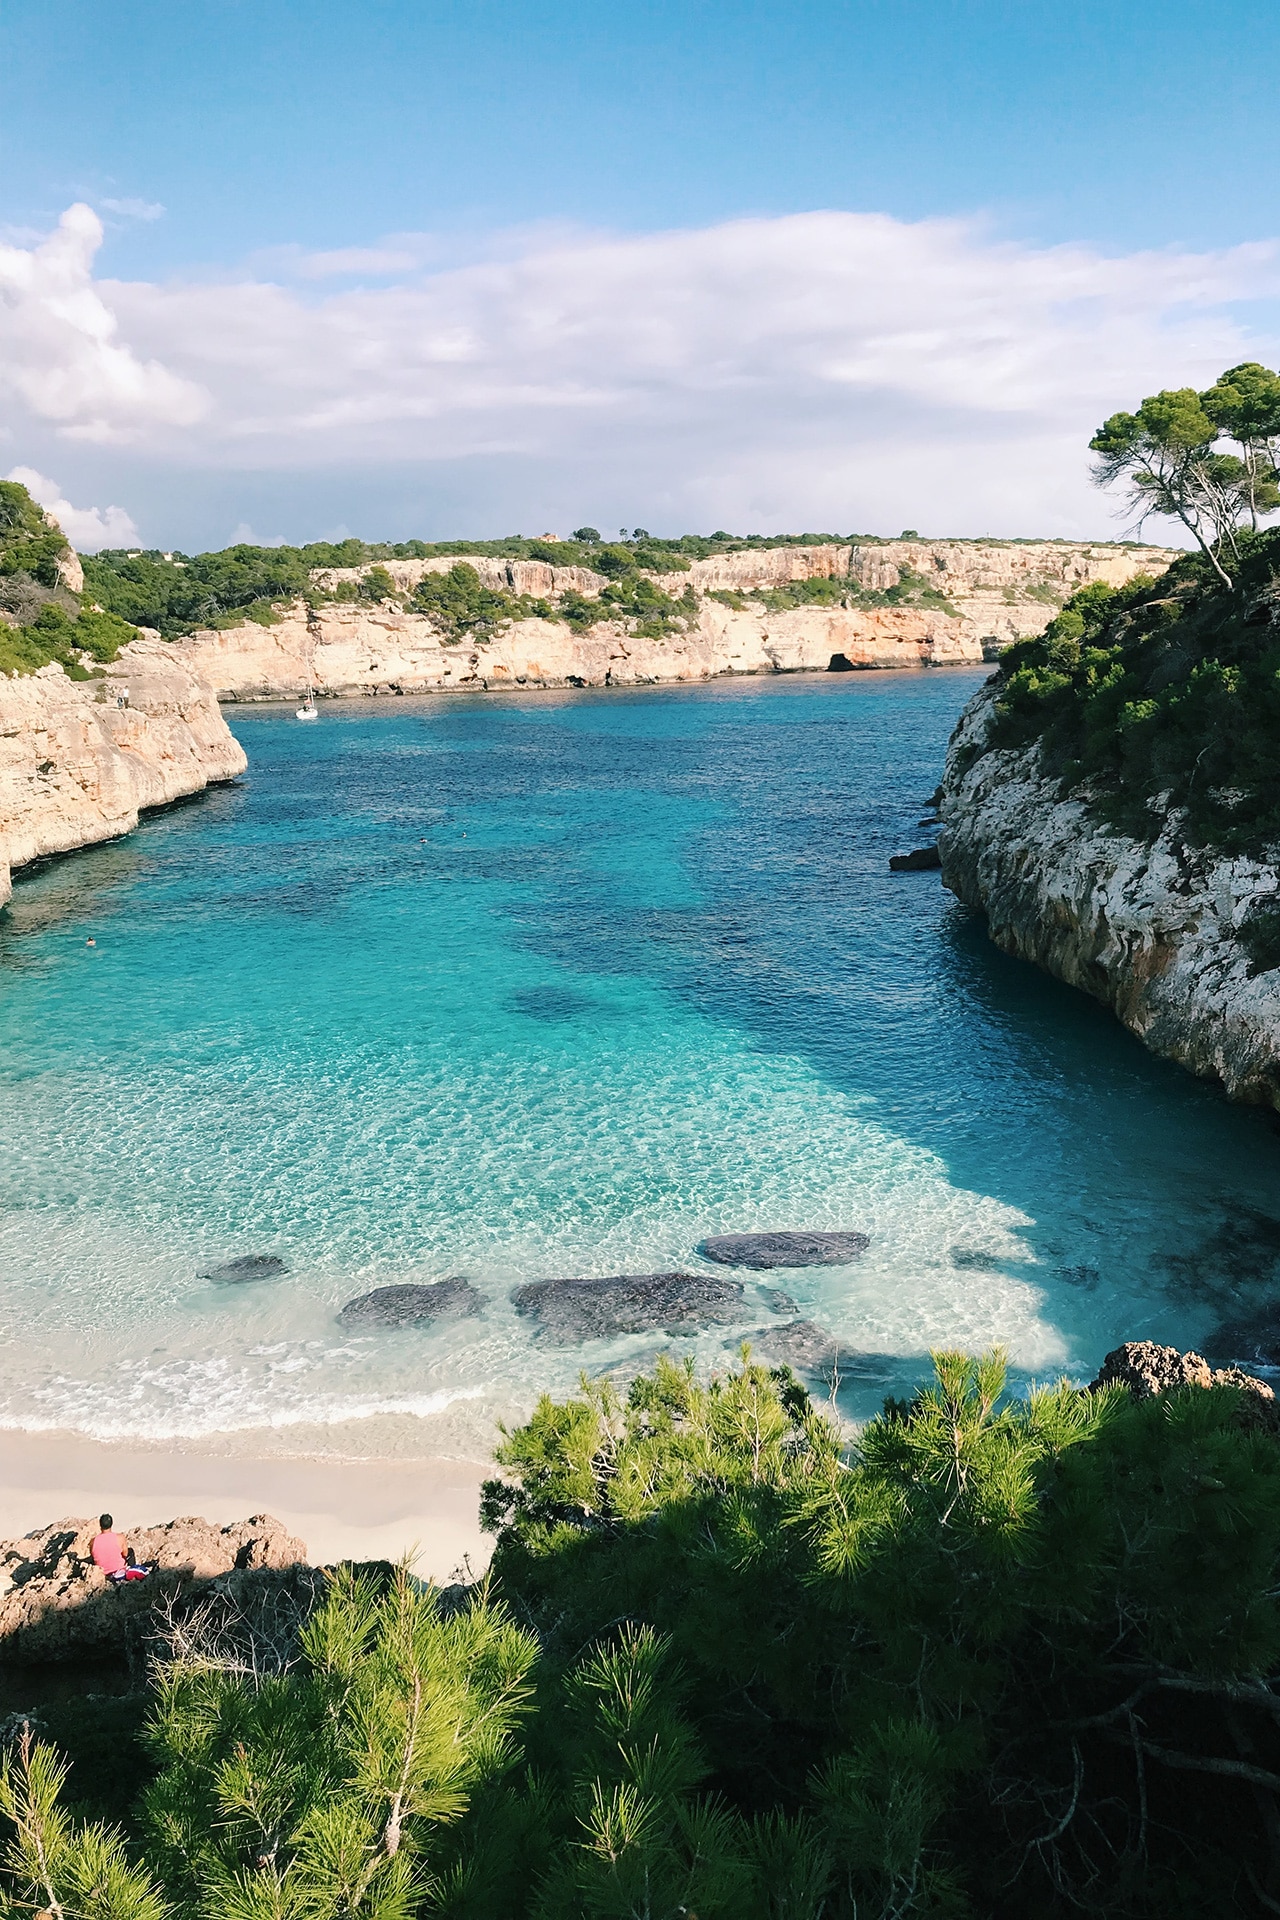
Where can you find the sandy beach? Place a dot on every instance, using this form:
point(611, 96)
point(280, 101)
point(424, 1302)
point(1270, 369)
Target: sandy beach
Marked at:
point(343, 1505)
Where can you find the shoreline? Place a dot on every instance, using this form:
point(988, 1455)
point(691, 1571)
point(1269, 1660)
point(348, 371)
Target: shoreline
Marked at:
point(344, 1508)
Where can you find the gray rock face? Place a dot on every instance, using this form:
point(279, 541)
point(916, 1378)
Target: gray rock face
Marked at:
point(761, 1250)
point(250, 1266)
point(410, 1306)
point(1150, 929)
point(569, 1310)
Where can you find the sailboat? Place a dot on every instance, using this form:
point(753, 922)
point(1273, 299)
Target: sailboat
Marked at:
point(307, 711)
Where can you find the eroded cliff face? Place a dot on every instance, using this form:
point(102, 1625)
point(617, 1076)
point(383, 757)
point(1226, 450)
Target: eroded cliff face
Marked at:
point(996, 593)
point(79, 759)
point(1150, 930)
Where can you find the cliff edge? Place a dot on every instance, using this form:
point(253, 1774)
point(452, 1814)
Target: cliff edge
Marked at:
point(1110, 803)
point(378, 628)
point(80, 759)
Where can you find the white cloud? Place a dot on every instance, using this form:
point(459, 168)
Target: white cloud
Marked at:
point(377, 261)
point(243, 535)
point(134, 209)
point(834, 369)
point(59, 355)
point(87, 528)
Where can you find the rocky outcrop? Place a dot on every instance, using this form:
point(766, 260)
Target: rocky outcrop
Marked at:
point(986, 594)
point(56, 1605)
point(80, 759)
point(1147, 1370)
point(1150, 929)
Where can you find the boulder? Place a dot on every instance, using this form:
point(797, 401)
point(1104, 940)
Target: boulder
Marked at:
point(761, 1250)
point(569, 1310)
point(56, 1605)
point(250, 1266)
point(1147, 1369)
point(920, 860)
point(411, 1306)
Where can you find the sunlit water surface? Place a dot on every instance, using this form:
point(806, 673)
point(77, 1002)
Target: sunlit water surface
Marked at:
point(518, 988)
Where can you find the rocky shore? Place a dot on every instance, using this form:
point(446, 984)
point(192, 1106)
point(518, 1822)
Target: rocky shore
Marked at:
point(981, 597)
point(56, 1605)
point(81, 759)
point(1149, 929)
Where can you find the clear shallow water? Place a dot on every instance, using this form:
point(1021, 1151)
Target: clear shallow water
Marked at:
point(524, 988)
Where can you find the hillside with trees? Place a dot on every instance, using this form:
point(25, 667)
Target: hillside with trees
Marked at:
point(1162, 698)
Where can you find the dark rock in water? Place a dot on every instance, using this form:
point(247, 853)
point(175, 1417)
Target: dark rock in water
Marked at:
point(409, 1306)
point(921, 860)
point(809, 1348)
point(783, 1249)
point(929, 823)
point(570, 1310)
point(975, 1259)
point(777, 1301)
point(250, 1266)
point(1253, 1342)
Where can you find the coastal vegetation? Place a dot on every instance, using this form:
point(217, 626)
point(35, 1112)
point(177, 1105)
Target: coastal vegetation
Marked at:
point(41, 620)
point(998, 1655)
point(1162, 698)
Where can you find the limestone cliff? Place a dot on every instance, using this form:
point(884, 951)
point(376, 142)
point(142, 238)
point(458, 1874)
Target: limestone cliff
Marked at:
point(1149, 929)
point(978, 597)
point(79, 759)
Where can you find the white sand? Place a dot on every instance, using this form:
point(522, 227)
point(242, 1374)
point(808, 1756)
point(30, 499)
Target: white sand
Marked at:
point(344, 1507)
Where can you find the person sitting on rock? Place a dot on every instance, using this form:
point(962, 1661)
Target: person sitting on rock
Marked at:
point(111, 1554)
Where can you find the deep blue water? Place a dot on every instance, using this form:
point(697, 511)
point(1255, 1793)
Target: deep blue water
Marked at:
point(558, 985)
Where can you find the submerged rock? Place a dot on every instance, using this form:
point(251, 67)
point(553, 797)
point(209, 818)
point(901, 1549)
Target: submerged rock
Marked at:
point(250, 1266)
point(409, 1306)
point(920, 860)
point(804, 1345)
point(570, 1310)
point(56, 1605)
point(761, 1250)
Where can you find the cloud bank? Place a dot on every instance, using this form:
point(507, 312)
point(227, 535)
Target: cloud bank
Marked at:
point(836, 370)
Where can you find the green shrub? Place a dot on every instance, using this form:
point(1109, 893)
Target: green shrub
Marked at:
point(56, 635)
point(1164, 692)
point(28, 544)
point(998, 1656)
point(457, 604)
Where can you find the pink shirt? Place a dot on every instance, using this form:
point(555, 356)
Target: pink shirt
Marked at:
point(108, 1552)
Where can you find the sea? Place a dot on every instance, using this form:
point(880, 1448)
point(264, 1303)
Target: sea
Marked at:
point(556, 984)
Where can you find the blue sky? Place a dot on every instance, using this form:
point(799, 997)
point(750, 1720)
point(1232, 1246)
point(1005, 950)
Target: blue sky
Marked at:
point(370, 165)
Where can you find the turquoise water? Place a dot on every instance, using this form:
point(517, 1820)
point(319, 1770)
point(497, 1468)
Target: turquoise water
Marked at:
point(519, 988)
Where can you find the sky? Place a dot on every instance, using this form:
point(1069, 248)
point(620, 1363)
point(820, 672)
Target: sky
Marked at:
point(276, 270)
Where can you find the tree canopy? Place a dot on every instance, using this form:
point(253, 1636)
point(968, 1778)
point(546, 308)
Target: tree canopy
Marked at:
point(1169, 454)
point(995, 1655)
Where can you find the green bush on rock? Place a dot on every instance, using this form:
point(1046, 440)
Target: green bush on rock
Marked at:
point(1162, 694)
